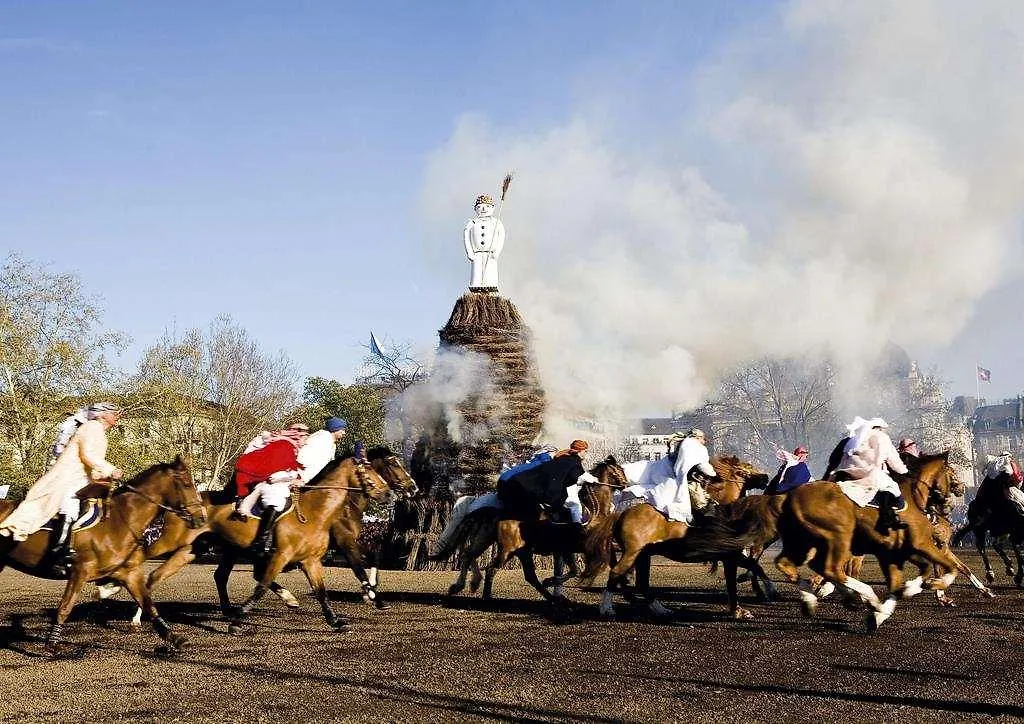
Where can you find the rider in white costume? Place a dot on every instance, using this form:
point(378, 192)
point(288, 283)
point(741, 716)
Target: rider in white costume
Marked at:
point(867, 457)
point(484, 237)
point(664, 483)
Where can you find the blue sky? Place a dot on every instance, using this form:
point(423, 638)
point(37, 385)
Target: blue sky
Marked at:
point(190, 159)
point(193, 159)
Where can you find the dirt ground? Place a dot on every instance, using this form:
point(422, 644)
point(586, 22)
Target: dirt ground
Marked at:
point(423, 661)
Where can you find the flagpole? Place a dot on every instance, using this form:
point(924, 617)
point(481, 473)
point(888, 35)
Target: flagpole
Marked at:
point(977, 382)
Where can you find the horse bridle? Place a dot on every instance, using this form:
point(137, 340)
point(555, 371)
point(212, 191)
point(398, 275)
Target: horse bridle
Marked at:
point(182, 511)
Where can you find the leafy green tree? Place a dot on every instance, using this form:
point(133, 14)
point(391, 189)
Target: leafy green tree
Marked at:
point(362, 406)
point(53, 357)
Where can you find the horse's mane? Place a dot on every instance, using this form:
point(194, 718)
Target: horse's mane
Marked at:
point(327, 470)
point(598, 470)
point(151, 470)
point(378, 452)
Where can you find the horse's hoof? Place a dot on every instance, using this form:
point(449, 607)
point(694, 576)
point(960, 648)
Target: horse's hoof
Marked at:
point(177, 641)
point(809, 608)
point(340, 627)
point(742, 614)
point(870, 622)
point(990, 576)
point(380, 605)
point(235, 628)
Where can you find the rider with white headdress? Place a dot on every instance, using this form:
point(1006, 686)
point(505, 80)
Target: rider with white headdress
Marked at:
point(82, 460)
point(665, 484)
point(863, 473)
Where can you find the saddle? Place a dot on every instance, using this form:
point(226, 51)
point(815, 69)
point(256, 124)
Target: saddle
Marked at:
point(259, 508)
point(93, 511)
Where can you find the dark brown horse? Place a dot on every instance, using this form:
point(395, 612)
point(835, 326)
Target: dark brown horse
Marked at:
point(177, 539)
point(642, 531)
point(346, 529)
point(990, 513)
point(113, 548)
point(478, 531)
point(823, 528)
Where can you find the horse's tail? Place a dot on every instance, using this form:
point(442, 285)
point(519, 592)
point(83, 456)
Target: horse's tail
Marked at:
point(453, 535)
point(718, 535)
point(597, 548)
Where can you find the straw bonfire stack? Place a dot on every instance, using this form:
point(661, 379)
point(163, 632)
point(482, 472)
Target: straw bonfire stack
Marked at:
point(504, 419)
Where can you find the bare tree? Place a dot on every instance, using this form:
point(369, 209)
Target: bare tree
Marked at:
point(392, 372)
point(776, 403)
point(212, 391)
point(52, 347)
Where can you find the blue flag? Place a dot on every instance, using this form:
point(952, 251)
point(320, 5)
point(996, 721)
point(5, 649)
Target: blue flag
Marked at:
point(375, 346)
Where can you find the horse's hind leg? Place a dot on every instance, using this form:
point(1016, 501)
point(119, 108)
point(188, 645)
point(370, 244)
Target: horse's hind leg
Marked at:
point(314, 571)
point(997, 545)
point(980, 537)
point(136, 585)
point(729, 565)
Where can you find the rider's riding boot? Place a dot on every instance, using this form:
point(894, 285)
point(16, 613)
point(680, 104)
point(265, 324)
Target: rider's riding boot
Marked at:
point(61, 554)
point(888, 519)
point(263, 544)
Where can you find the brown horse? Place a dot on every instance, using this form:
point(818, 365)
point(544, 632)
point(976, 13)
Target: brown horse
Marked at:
point(177, 539)
point(642, 532)
point(480, 530)
point(823, 528)
point(302, 537)
point(113, 548)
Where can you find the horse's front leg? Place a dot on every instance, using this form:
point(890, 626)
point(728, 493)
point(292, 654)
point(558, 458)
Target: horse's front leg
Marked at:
point(67, 603)
point(221, 576)
point(181, 558)
point(349, 545)
point(763, 587)
point(617, 577)
point(530, 574)
point(980, 539)
point(1019, 578)
point(136, 584)
point(314, 571)
point(997, 545)
point(284, 594)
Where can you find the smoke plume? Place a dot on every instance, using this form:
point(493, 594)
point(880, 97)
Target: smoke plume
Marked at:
point(869, 171)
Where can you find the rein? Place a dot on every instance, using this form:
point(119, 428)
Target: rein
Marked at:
point(180, 511)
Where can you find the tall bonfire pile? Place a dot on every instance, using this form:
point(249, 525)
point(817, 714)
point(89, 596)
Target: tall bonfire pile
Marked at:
point(503, 419)
point(497, 422)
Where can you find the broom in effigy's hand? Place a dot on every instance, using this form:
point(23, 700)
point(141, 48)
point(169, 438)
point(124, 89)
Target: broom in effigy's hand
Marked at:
point(506, 182)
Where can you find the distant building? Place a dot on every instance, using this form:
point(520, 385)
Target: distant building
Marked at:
point(649, 441)
point(998, 428)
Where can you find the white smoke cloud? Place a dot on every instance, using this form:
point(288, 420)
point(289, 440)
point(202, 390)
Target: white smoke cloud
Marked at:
point(458, 378)
point(869, 168)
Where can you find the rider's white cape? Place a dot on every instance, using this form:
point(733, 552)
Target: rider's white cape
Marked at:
point(663, 485)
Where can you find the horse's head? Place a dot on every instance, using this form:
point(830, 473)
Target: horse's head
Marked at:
point(605, 477)
point(173, 487)
point(934, 482)
point(389, 467)
point(738, 473)
point(365, 478)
